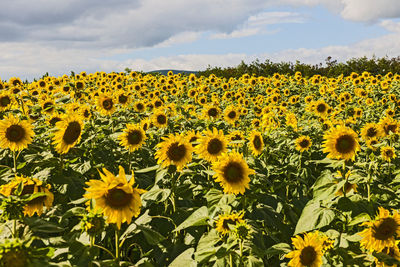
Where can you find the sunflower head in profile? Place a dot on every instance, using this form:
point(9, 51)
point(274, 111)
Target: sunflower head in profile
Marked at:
point(341, 143)
point(159, 118)
point(30, 186)
point(105, 104)
point(212, 145)
point(133, 137)
point(6, 101)
point(303, 143)
point(382, 232)
point(69, 132)
point(388, 153)
point(308, 252)
point(226, 222)
point(371, 130)
point(15, 134)
point(174, 150)
point(256, 143)
point(231, 114)
point(115, 196)
point(232, 172)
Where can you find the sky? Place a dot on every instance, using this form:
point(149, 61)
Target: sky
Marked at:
point(39, 36)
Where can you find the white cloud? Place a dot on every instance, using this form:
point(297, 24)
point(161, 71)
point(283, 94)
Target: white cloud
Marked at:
point(370, 10)
point(256, 24)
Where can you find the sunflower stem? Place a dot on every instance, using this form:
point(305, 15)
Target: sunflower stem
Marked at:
point(117, 246)
point(345, 177)
point(15, 162)
point(15, 229)
point(230, 260)
point(129, 161)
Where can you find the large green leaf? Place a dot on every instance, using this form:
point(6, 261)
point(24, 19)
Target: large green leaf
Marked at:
point(197, 218)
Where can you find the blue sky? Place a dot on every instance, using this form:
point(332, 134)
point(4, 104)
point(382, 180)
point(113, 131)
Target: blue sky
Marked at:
point(57, 37)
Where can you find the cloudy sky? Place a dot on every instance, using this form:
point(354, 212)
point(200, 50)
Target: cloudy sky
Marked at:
point(39, 36)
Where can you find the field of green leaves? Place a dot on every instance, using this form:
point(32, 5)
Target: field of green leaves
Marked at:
point(133, 169)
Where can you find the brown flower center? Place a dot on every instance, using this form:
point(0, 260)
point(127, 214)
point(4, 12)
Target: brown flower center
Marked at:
point(72, 132)
point(232, 115)
point(161, 119)
point(212, 112)
point(321, 108)
point(214, 146)
point(308, 256)
point(304, 143)
point(117, 198)
point(5, 101)
point(140, 106)
point(15, 133)
point(386, 229)
point(122, 99)
point(257, 142)
point(345, 144)
point(135, 137)
point(54, 120)
point(176, 152)
point(233, 172)
point(48, 107)
point(108, 104)
point(371, 132)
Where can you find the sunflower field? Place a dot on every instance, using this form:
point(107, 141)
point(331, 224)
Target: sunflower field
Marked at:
point(134, 169)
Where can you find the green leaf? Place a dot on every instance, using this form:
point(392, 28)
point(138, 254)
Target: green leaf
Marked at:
point(148, 169)
point(197, 218)
point(281, 248)
point(184, 259)
point(313, 217)
point(363, 217)
point(152, 237)
point(38, 225)
point(254, 262)
point(156, 194)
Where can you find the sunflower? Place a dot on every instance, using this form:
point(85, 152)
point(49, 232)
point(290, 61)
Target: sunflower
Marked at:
point(30, 186)
point(371, 130)
point(212, 145)
point(303, 143)
point(341, 143)
point(139, 106)
point(226, 221)
point(105, 104)
point(382, 232)
point(308, 251)
point(211, 112)
point(48, 105)
point(6, 101)
point(133, 137)
point(235, 137)
point(321, 108)
point(159, 118)
point(389, 125)
point(388, 153)
point(123, 98)
point(68, 134)
point(174, 150)
point(256, 143)
point(232, 172)
point(15, 134)
point(231, 114)
point(55, 117)
point(115, 196)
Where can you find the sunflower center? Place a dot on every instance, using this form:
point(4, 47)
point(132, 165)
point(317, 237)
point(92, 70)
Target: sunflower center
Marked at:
point(139, 106)
point(389, 153)
point(232, 114)
point(54, 120)
point(345, 144)
point(226, 222)
point(176, 152)
point(371, 132)
point(161, 119)
point(386, 229)
point(108, 104)
point(134, 137)
point(214, 146)
point(391, 128)
point(122, 99)
point(48, 106)
point(308, 256)
point(212, 112)
point(72, 132)
point(233, 172)
point(304, 143)
point(257, 142)
point(5, 101)
point(15, 133)
point(118, 198)
point(321, 108)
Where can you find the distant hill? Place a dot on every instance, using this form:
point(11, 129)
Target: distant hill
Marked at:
point(165, 72)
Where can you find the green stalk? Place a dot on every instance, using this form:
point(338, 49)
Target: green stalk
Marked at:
point(15, 162)
point(117, 252)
